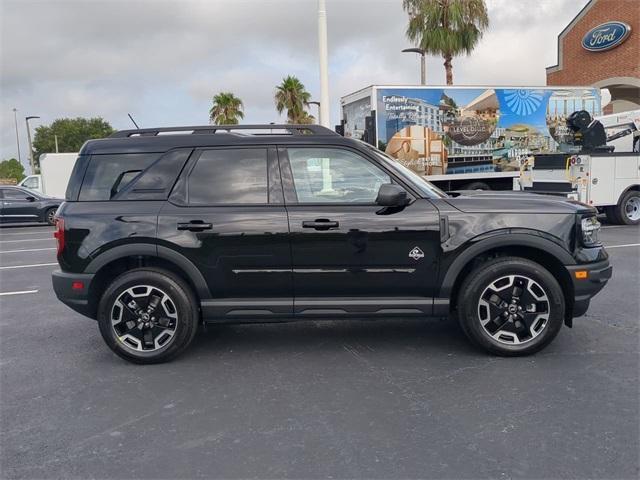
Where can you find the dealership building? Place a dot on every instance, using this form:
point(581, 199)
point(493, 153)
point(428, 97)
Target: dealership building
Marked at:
point(600, 47)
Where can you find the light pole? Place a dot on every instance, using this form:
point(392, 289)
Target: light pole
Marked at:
point(423, 62)
point(313, 102)
point(324, 64)
point(31, 160)
point(15, 120)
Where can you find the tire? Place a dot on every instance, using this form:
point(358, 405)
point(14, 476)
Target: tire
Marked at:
point(529, 328)
point(627, 212)
point(50, 216)
point(612, 215)
point(476, 186)
point(161, 338)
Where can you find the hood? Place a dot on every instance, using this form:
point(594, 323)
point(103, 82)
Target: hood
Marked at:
point(482, 201)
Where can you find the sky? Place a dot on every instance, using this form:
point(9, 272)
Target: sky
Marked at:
point(163, 60)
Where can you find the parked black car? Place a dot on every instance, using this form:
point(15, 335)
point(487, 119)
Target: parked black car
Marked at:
point(275, 223)
point(20, 204)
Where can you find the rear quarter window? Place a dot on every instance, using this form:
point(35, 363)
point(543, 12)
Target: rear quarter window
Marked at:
point(106, 175)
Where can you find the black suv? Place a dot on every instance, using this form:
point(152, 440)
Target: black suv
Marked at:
point(163, 229)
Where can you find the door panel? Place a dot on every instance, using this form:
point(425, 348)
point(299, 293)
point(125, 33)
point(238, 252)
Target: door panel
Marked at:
point(350, 255)
point(368, 254)
point(240, 241)
point(242, 251)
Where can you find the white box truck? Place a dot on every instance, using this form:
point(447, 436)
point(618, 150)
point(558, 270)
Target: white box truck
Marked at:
point(55, 171)
point(465, 137)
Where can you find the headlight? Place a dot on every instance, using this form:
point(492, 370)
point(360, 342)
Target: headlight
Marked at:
point(590, 227)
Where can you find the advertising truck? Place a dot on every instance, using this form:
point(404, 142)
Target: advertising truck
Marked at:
point(466, 137)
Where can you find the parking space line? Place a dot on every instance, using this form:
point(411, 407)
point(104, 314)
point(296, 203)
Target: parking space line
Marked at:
point(23, 292)
point(622, 246)
point(25, 240)
point(28, 266)
point(28, 250)
point(41, 232)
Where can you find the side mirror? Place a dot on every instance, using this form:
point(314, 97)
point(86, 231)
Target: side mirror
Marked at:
point(391, 195)
point(30, 199)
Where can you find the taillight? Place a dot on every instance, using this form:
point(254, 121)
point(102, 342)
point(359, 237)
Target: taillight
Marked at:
point(59, 234)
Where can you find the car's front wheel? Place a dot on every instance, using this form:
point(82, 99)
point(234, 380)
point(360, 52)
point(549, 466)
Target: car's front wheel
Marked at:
point(511, 306)
point(148, 315)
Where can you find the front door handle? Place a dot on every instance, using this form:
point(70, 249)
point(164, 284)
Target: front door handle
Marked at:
point(320, 224)
point(195, 226)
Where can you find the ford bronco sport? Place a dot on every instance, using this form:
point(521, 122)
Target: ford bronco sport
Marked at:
point(163, 229)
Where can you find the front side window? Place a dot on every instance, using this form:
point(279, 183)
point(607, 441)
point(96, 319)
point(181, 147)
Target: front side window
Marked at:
point(229, 176)
point(333, 175)
point(11, 194)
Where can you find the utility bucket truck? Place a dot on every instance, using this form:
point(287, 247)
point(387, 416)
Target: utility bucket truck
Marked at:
point(606, 173)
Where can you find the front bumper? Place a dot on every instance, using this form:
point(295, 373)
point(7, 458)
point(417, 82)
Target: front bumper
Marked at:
point(597, 276)
point(75, 298)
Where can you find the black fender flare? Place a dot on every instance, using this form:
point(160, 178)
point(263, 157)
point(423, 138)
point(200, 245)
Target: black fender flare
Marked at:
point(501, 240)
point(152, 250)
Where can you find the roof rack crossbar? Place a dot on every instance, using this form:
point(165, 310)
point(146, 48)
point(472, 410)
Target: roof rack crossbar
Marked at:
point(212, 129)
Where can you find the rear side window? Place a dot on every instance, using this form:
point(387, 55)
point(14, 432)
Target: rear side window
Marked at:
point(227, 176)
point(108, 174)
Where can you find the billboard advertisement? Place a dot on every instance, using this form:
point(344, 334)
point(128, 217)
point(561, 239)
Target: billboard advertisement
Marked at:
point(468, 130)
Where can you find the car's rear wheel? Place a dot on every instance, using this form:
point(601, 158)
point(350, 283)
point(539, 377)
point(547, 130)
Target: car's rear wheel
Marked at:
point(628, 210)
point(50, 216)
point(511, 306)
point(148, 315)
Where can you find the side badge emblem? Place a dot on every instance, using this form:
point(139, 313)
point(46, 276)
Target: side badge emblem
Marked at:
point(416, 253)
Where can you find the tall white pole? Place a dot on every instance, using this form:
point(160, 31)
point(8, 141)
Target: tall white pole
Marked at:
point(325, 117)
point(15, 120)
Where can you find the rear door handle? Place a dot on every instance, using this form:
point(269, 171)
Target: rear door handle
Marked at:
point(320, 224)
point(195, 226)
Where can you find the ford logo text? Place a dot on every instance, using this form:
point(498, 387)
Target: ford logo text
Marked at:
point(605, 36)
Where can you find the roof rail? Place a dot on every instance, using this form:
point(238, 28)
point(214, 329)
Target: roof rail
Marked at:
point(212, 129)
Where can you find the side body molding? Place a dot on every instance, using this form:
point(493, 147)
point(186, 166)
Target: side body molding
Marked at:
point(505, 239)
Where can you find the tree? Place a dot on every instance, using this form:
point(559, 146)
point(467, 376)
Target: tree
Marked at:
point(71, 133)
point(446, 27)
point(226, 109)
point(12, 169)
point(293, 97)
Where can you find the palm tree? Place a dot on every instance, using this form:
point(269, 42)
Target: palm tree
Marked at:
point(292, 97)
point(226, 109)
point(446, 27)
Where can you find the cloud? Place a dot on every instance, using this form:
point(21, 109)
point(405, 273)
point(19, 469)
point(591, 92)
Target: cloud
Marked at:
point(163, 60)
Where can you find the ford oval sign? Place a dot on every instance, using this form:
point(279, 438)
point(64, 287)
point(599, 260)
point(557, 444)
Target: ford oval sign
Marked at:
point(605, 36)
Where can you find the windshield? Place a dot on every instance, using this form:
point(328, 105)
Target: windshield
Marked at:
point(425, 187)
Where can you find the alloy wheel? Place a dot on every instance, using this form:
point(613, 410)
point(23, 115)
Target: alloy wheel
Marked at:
point(514, 309)
point(144, 318)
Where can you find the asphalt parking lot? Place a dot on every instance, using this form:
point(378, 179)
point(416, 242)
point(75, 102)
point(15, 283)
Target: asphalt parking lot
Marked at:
point(384, 399)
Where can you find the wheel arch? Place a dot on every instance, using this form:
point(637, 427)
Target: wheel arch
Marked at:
point(125, 257)
point(634, 188)
point(538, 249)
